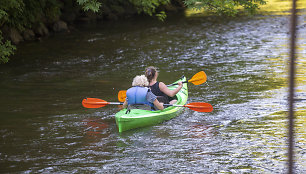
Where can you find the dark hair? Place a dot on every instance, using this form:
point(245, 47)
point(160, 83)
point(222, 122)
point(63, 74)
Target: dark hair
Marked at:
point(150, 73)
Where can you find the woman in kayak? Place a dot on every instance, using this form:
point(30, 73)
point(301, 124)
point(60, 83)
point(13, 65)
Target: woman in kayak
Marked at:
point(162, 92)
point(140, 97)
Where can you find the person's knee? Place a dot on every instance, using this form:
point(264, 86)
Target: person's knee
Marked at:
point(162, 99)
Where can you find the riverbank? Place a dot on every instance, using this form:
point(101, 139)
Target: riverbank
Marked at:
point(69, 15)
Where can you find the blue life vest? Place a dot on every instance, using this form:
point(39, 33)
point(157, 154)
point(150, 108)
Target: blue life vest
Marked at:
point(137, 95)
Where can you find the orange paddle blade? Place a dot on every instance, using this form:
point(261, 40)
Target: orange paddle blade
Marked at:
point(198, 78)
point(94, 103)
point(200, 107)
point(121, 95)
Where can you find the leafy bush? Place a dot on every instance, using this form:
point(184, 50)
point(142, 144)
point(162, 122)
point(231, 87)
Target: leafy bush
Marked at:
point(92, 5)
point(6, 49)
point(228, 7)
point(22, 14)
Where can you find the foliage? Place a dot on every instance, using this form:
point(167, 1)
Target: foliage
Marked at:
point(6, 49)
point(9, 11)
point(225, 7)
point(149, 7)
point(161, 15)
point(21, 14)
point(143, 6)
point(92, 5)
point(220, 7)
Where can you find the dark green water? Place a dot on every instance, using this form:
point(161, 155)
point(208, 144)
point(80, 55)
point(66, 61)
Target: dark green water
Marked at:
point(45, 129)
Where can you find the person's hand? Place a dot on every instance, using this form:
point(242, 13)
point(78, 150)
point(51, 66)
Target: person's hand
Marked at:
point(180, 84)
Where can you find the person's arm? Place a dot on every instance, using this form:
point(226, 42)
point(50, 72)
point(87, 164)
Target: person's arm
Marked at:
point(153, 99)
point(158, 105)
point(169, 92)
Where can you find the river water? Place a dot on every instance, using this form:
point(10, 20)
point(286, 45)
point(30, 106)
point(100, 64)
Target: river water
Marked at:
point(45, 129)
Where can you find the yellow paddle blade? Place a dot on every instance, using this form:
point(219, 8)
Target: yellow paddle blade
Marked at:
point(198, 78)
point(122, 95)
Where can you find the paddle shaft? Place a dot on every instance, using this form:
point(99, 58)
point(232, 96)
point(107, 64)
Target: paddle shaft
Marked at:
point(177, 83)
point(105, 103)
point(187, 105)
point(191, 80)
point(174, 105)
point(97, 103)
point(121, 103)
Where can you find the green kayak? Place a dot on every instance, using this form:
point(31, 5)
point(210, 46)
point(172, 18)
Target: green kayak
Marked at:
point(140, 118)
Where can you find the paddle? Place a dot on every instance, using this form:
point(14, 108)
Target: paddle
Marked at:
point(122, 95)
point(196, 106)
point(197, 79)
point(97, 103)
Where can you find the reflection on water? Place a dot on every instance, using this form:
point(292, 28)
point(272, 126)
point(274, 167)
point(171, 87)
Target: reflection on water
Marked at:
point(94, 127)
point(44, 127)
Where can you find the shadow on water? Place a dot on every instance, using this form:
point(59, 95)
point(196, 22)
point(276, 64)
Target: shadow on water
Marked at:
point(44, 127)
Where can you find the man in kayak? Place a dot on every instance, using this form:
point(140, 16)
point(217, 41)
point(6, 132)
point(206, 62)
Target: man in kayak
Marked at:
point(141, 97)
point(162, 92)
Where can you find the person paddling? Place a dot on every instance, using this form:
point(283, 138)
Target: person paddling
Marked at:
point(140, 96)
point(162, 92)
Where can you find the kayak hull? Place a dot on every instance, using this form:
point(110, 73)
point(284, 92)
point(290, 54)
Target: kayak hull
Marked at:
point(137, 118)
